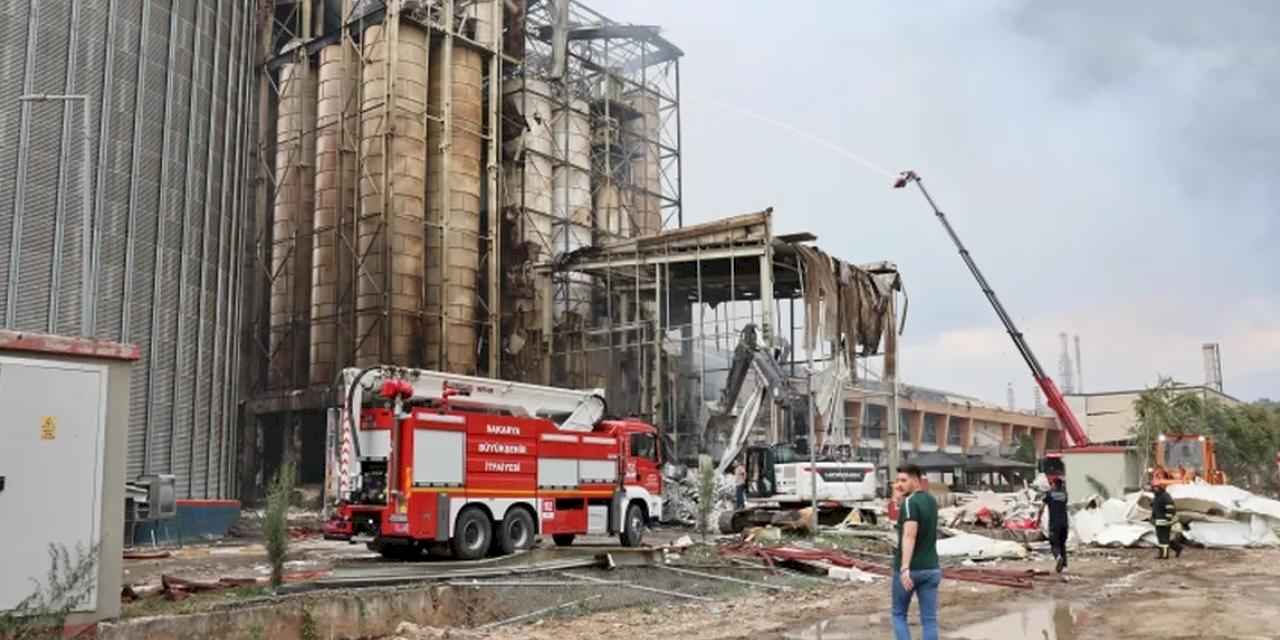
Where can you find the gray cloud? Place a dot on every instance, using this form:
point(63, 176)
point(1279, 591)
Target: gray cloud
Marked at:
point(1104, 161)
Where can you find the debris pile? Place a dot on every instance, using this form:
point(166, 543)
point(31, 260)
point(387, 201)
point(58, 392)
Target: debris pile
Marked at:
point(824, 560)
point(1213, 516)
point(990, 509)
point(976, 547)
point(680, 496)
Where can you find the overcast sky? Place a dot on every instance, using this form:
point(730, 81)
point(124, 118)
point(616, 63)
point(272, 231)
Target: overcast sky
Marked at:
point(1116, 174)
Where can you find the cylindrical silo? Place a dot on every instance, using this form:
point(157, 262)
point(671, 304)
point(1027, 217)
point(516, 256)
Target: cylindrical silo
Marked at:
point(612, 212)
point(393, 145)
point(645, 164)
point(337, 135)
point(529, 177)
point(528, 189)
point(571, 197)
point(292, 223)
point(148, 248)
point(453, 242)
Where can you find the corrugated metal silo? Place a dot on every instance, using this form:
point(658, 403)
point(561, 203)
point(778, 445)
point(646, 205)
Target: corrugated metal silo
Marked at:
point(147, 249)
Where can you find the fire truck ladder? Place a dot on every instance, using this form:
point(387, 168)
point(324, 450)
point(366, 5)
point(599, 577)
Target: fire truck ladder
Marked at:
point(569, 409)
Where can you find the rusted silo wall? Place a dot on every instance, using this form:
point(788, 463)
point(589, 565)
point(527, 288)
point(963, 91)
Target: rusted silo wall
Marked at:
point(393, 145)
point(453, 242)
point(337, 134)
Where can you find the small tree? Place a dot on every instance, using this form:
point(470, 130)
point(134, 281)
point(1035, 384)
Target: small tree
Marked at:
point(706, 493)
point(43, 613)
point(1026, 451)
point(276, 523)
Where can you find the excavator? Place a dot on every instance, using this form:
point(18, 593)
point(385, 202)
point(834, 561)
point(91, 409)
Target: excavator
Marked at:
point(1184, 459)
point(1052, 466)
point(780, 479)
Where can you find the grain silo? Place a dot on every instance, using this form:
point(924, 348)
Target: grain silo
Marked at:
point(393, 188)
point(291, 229)
point(337, 135)
point(646, 169)
point(529, 179)
point(571, 199)
point(130, 229)
point(453, 212)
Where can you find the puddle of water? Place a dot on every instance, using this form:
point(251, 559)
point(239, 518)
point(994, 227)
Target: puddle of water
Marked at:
point(842, 628)
point(1040, 621)
point(1043, 621)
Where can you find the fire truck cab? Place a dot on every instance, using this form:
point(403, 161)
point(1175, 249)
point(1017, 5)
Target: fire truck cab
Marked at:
point(484, 466)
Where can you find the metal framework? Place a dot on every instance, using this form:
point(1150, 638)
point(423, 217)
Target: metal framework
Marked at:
point(295, 33)
point(673, 306)
point(619, 72)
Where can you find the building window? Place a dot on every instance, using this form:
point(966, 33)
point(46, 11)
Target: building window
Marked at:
point(954, 433)
point(930, 435)
point(873, 428)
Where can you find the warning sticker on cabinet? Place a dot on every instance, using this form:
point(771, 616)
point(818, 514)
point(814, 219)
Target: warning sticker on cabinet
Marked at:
point(48, 428)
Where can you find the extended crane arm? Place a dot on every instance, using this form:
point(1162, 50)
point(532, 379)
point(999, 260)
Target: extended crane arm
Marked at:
point(1054, 396)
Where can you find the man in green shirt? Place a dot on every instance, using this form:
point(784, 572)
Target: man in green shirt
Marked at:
point(915, 560)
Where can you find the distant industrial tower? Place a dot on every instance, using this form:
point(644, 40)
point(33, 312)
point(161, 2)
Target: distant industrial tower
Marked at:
point(1079, 367)
point(1038, 399)
point(1065, 374)
point(1012, 405)
point(1212, 366)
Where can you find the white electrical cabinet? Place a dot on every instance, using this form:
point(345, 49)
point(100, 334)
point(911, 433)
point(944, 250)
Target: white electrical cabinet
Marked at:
point(52, 442)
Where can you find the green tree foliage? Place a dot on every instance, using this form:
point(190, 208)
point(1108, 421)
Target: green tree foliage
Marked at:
point(1246, 438)
point(1026, 451)
point(276, 522)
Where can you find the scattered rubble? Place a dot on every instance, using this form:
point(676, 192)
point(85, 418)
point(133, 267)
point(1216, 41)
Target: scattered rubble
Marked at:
point(680, 496)
point(1213, 516)
point(976, 547)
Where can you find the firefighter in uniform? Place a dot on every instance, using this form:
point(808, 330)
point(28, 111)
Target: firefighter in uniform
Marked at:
point(1164, 515)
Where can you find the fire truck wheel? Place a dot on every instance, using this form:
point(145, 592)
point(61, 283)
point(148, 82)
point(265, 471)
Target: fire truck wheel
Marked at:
point(563, 539)
point(472, 535)
point(633, 526)
point(516, 532)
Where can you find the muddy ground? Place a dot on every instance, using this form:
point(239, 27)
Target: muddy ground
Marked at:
point(1108, 594)
point(1117, 594)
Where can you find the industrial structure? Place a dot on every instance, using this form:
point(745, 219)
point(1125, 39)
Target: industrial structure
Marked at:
point(261, 194)
point(417, 162)
point(126, 179)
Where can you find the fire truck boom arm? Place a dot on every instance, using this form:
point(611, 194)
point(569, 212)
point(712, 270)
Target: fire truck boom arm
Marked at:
point(1052, 395)
point(570, 409)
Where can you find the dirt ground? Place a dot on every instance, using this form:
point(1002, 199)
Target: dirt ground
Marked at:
point(1117, 594)
point(1123, 593)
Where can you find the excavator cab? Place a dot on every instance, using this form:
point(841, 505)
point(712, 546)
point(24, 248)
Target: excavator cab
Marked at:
point(761, 479)
point(1185, 458)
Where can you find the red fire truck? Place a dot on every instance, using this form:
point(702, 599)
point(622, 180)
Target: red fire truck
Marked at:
point(484, 466)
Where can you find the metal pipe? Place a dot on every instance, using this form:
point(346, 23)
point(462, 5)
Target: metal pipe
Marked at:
point(893, 441)
point(495, 217)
